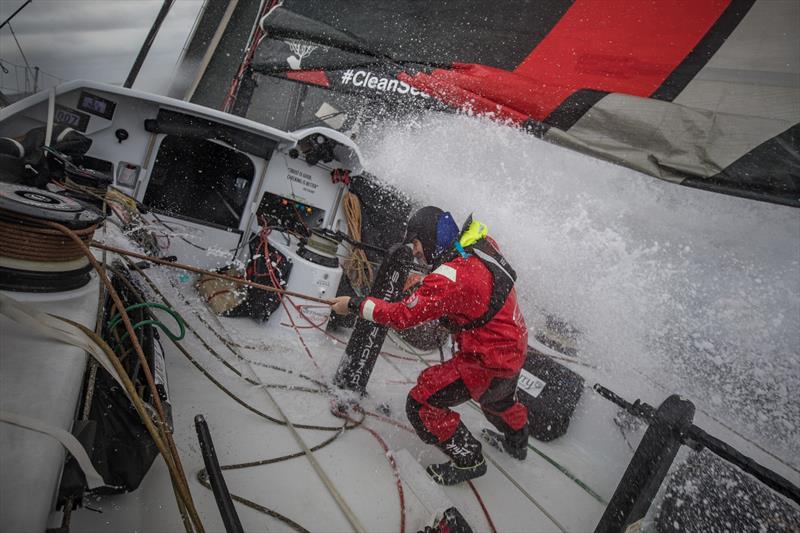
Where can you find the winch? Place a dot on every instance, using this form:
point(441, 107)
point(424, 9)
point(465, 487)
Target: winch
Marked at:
point(320, 248)
point(33, 256)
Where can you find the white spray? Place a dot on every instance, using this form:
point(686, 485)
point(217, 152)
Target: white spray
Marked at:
point(699, 288)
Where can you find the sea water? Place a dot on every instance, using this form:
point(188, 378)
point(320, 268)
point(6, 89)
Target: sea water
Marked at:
point(697, 291)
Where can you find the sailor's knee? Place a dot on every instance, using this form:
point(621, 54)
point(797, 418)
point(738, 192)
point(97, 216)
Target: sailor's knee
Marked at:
point(412, 411)
point(413, 408)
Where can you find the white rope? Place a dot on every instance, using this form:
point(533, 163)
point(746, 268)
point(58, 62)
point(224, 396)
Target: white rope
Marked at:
point(525, 493)
point(93, 479)
point(348, 512)
point(54, 328)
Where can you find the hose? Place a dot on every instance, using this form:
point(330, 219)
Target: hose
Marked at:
point(115, 320)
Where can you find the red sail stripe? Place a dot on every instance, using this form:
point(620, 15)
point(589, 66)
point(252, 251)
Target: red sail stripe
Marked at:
point(451, 93)
point(314, 77)
point(616, 46)
point(625, 46)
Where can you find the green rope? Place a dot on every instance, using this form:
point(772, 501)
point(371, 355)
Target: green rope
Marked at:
point(558, 466)
point(114, 320)
point(569, 474)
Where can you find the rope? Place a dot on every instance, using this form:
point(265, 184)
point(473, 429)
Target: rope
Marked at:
point(337, 496)
point(554, 463)
point(196, 270)
point(411, 430)
point(358, 269)
point(170, 459)
point(114, 320)
point(24, 237)
point(551, 461)
point(392, 463)
point(284, 420)
point(180, 482)
point(483, 506)
point(336, 339)
point(202, 477)
point(527, 494)
point(345, 508)
point(236, 371)
point(67, 439)
point(87, 189)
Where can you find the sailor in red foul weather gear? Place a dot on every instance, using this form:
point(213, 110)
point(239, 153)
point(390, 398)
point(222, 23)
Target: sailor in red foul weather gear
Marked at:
point(471, 291)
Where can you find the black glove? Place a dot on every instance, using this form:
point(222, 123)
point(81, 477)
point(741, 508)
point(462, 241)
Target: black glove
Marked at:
point(354, 305)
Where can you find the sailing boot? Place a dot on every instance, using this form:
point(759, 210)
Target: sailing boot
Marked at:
point(466, 460)
point(514, 444)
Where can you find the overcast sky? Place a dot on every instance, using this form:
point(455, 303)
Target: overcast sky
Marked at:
point(93, 39)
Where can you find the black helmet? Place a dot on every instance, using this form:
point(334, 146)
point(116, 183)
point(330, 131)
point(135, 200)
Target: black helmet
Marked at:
point(435, 230)
point(422, 226)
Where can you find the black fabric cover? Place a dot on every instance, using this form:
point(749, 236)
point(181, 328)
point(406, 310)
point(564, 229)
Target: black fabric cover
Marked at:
point(64, 139)
point(260, 304)
point(123, 450)
point(550, 411)
point(384, 212)
point(771, 171)
point(452, 521)
point(420, 32)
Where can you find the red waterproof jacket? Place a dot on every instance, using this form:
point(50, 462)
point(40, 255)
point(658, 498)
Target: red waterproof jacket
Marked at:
point(460, 290)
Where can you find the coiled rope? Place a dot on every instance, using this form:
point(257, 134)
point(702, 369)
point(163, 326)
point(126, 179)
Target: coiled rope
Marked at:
point(359, 270)
point(30, 239)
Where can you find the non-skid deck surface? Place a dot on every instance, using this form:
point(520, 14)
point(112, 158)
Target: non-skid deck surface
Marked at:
point(563, 485)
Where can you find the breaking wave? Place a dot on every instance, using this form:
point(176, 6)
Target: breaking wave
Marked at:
point(697, 288)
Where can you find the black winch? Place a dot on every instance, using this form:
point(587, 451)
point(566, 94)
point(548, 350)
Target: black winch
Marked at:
point(35, 257)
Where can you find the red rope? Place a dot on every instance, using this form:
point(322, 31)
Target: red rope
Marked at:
point(485, 510)
point(311, 326)
point(275, 283)
point(335, 412)
point(392, 462)
point(258, 36)
point(390, 421)
point(474, 490)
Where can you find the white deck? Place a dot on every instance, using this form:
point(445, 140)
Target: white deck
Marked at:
point(593, 451)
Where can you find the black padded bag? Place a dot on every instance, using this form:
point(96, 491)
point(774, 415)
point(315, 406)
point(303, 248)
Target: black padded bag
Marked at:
point(550, 391)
